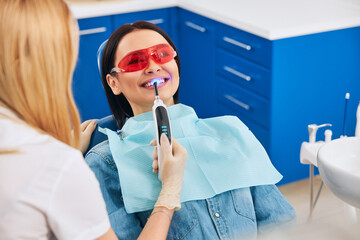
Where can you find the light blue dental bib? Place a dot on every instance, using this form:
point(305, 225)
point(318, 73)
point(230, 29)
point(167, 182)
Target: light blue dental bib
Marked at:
point(223, 155)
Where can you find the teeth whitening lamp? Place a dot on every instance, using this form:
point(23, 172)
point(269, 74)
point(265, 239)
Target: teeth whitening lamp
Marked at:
point(162, 122)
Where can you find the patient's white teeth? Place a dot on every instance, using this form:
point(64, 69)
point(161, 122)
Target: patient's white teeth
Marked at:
point(160, 81)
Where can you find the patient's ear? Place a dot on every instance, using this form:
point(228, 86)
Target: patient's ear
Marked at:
point(114, 84)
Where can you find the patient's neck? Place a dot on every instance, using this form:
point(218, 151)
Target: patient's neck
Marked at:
point(137, 109)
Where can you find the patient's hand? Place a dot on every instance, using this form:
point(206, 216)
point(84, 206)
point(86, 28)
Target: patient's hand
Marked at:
point(86, 129)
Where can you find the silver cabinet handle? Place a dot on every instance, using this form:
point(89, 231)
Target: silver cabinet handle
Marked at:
point(156, 21)
point(237, 73)
point(237, 102)
point(92, 31)
point(194, 26)
point(237, 43)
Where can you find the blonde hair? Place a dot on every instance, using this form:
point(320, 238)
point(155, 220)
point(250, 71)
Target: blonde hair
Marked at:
point(38, 52)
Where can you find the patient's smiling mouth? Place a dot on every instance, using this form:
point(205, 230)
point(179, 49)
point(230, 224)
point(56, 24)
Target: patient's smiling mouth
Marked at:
point(159, 80)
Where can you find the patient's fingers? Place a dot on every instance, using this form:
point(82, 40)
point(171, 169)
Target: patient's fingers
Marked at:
point(87, 128)
point(155, 163)
point(155, 166)
point(85, 124)
point(153, 142)
point(155, 154)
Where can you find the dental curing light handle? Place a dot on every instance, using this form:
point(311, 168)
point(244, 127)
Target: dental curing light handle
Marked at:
point(162, 124)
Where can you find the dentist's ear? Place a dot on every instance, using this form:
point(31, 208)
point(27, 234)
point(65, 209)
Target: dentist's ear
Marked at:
point(113, 83)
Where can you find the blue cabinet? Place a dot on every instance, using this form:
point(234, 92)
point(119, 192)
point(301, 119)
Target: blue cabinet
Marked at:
point(244, 44)
point(197, 54)
point(87, 88)
point(243, 79)
point(159, 17)
point(165, 18)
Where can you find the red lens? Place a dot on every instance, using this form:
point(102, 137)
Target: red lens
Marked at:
point(134, 61)
point(162, 53)
point(138, 60)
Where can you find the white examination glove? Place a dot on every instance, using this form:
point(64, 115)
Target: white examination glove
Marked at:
point(172, 171)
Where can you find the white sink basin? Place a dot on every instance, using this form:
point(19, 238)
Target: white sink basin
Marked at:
point(339, 166)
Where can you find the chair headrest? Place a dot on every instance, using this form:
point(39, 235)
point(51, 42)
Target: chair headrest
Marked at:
point(99, 55)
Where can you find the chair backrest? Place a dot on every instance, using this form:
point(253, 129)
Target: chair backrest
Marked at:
point(106, 122)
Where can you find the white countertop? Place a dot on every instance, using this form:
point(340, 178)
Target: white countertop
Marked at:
point(270, 19)
point(96, 8)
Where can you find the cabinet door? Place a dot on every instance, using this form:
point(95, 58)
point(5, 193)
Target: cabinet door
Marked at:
point(261, 133)
point(197, 55)
point(87, 88)
point(245, 44)
point(160, 17)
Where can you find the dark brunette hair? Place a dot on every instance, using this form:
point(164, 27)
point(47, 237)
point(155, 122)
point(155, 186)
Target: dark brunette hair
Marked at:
point(119, 105)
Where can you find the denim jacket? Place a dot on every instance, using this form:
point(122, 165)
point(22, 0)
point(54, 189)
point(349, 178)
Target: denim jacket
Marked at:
point(236, 214)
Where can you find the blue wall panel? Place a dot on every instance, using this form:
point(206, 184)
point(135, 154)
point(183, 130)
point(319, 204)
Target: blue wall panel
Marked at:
point(311, 75)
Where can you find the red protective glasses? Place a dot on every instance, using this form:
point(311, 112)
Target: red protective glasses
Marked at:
point(139, 59)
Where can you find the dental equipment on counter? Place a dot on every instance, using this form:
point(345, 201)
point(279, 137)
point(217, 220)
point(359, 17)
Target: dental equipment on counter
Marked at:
point(308, 155)
point(309, 150)
point(347, 97)
point(161, 121)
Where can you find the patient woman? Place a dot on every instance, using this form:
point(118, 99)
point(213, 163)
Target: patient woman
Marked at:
point(228, 186)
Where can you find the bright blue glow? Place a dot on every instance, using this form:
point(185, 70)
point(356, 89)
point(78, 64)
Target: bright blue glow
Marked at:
point(157, 80)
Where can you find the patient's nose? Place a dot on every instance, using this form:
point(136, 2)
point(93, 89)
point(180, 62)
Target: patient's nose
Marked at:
point(152, 67)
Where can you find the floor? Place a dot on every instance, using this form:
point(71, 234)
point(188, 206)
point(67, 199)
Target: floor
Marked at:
point(331, 218)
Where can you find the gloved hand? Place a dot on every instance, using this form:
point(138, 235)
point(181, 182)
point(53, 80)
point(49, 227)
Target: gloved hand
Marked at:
point(172, 171)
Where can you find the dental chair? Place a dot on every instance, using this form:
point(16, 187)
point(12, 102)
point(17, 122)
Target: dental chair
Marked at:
point(106, 122)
